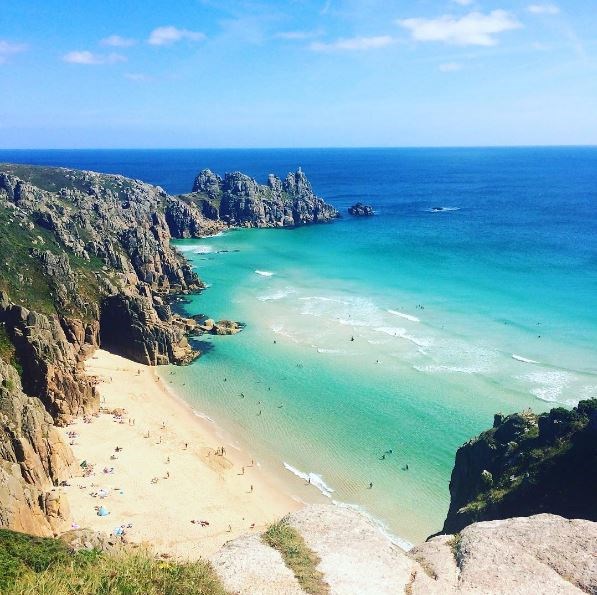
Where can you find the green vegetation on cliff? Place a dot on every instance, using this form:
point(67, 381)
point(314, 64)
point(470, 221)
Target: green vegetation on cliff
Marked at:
point(30, 565)
point(528, 464)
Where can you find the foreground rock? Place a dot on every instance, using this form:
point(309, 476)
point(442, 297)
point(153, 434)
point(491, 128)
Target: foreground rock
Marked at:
point(541, 554)
point(361, 210)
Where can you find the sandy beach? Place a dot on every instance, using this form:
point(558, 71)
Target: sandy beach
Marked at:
point(167, 471)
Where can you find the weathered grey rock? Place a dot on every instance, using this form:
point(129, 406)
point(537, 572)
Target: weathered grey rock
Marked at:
point(247, 566)
point(361, 210)
point(86, 539)
point(356, 557)
point(527, 555)
point(239, 201)
point(131, 327)
point(49, 361)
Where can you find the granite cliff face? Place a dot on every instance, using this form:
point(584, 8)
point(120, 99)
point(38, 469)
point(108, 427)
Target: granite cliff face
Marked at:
point(33, 459)
point(528, 464)
point(237, 200)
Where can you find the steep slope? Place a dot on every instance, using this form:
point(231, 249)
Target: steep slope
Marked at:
point(527, 464)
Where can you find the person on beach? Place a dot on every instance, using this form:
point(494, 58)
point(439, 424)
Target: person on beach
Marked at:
point(186, 445)
point(251, 490)
point(370, 485)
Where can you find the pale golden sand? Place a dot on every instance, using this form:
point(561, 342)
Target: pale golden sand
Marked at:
point(201, 485)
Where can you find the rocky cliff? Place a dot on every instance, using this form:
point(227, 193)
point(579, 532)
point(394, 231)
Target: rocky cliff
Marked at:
point(528, 464)
point(33, 460)
point(237, 200)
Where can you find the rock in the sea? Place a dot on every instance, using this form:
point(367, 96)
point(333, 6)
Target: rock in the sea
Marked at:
point(361, 210)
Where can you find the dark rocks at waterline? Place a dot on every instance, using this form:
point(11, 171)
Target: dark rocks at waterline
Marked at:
point(360, 210)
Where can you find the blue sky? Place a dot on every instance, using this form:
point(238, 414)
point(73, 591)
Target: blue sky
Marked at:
point(311, 73)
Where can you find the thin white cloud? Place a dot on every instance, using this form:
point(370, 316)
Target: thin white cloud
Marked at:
point(8, 48)
point(297, 35)
point(138, 77)
point(169, 35)
point(474, 28)
point(353, 44)
point(464, 2)
point(87, 57)
point(116, 41)
point(543, 9)
point(450, 67)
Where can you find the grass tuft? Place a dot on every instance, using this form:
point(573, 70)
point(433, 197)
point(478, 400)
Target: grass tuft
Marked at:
point(297, 556)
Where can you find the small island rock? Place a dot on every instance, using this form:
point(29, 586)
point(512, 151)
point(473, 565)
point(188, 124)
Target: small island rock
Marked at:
point(361, 210)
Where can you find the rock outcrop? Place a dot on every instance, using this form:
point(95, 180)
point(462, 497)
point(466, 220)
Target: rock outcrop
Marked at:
point(237, 200)
point(360, 210)
point(527, 464)
point(540, 554)
point(50, 362)
point(33, 460)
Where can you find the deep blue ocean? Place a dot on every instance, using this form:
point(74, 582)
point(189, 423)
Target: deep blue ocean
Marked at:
point(472, 290)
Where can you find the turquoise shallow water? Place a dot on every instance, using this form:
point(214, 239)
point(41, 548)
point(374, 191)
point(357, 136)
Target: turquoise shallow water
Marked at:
point(438, 303)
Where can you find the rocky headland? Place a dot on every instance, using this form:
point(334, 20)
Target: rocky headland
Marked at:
point(528, 464)
point(237, 200)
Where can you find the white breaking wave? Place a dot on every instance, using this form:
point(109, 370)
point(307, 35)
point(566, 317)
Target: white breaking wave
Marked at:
point(313, 479)
point(264, 273)
point(196, 249)
point(316, 298)
point(549, 384)
point(402, 333)
point(526, 360)
point(323, 350)
point(277, 295)
point(403, 315)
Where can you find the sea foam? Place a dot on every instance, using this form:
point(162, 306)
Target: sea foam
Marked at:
point(276, 295)
point(403, 315)
point(313, 478)
point(526, 360)
point(264, 273)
